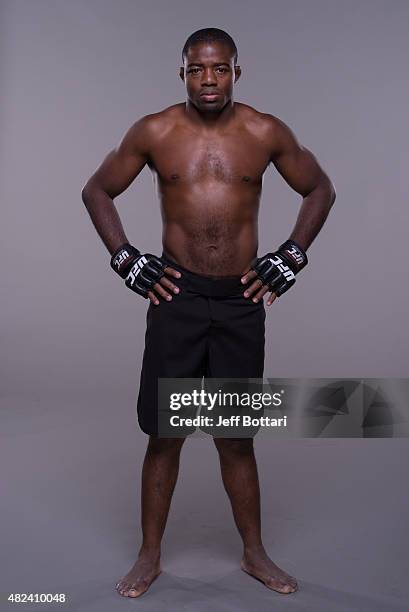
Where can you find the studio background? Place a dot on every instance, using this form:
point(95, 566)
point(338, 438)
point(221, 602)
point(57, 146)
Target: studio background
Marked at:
point(74, 77)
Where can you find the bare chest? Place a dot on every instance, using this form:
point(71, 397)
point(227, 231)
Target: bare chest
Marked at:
point(182, 157)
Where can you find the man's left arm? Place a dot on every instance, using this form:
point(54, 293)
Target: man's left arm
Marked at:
point(301, 170)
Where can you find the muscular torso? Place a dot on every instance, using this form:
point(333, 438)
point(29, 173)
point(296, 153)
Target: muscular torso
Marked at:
point(209, 184)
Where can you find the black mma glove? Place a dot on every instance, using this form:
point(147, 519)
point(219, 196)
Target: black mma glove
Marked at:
point(277, 270)
point(140, 272)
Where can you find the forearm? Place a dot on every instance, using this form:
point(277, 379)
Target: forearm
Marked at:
point(313, 213)
point(104, 216)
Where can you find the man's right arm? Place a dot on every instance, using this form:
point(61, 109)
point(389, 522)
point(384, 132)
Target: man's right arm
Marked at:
point(146, 274)
point(118, 170)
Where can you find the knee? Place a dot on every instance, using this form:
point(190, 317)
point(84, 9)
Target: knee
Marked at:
point(234, 446)
point(159, 446)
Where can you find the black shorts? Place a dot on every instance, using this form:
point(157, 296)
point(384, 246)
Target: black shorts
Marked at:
point(209, 329)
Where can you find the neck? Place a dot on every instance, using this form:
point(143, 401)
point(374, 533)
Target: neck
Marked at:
point(210, 119)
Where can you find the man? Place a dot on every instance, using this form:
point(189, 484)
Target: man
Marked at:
point(206, 312)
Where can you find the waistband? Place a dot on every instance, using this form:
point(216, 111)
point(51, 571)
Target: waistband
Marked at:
point(207, 285)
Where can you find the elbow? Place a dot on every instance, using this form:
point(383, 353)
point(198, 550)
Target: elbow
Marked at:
point(329, 189)
point(333, 194)
point(86, 192)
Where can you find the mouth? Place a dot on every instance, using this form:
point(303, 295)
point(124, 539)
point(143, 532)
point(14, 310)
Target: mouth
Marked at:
point(209, 97)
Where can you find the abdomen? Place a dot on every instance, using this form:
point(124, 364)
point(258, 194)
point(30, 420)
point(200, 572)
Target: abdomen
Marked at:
point(212, 230)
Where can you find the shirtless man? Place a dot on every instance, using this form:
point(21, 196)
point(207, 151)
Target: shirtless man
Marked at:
point(208, 156)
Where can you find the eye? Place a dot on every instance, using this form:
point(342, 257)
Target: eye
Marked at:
point(194, 70)
point(220, 69)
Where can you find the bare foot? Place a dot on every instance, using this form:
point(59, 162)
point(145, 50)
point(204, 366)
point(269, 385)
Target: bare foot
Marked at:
point(140, 576)
point(259, 565)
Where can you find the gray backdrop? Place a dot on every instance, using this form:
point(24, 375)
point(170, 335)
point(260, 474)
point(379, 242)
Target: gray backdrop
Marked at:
point(74, 76)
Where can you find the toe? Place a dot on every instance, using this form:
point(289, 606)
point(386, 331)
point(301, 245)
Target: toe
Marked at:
point(138, 587)
point(123, 589)
point(284, 587)
point(279, 585)
point(132, 590)
point(288, 588)
point(135, 590)
point(286, 579)
point(292, 581)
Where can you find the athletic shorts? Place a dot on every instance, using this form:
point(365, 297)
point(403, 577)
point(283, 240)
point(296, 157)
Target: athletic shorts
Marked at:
point(209, 329)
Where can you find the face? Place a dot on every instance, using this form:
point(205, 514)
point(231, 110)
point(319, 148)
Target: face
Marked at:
point(209, 75)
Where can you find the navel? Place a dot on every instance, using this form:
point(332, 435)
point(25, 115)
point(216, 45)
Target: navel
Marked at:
point(175, 177)
point(246, 179)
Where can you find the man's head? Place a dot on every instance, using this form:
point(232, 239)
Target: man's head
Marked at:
point(210, 67)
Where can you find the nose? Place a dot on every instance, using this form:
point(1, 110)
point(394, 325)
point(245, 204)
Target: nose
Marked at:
point(208, 77)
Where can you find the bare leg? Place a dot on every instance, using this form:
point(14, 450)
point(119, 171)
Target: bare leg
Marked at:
point(240, 478)
point(159, 476)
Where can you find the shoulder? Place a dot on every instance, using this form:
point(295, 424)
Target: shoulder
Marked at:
point(251, 116)
point(147, 130)
point(263, 125)
point(272, 130)
point(157, 124)
point(263, 121)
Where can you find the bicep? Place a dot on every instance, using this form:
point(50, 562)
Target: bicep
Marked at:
point(123, 164)
point(296, 164)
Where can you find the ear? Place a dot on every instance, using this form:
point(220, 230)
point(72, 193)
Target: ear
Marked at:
point(182, 73)
point(237, 71)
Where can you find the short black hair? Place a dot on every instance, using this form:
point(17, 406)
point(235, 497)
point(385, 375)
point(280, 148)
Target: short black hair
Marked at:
point(210, 35)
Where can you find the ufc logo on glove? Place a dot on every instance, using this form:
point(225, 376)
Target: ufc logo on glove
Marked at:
point(285, 270)
point(136, 268)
